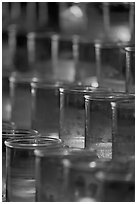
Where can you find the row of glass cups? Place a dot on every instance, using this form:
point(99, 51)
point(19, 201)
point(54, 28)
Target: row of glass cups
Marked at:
point(41, 168)
point(72, 58)
point(82, 116)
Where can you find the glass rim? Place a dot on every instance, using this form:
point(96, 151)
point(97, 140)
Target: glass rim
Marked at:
point(40, 35)
point(111, 44)
point(31, 142)
point(129, 49)
point(112, 96)
point(52, 36)
point(83, 89)
point(24, 78)
point(19, 132)
point(50, 84)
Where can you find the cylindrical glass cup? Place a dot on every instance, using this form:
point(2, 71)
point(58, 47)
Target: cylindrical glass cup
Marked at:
point(100, 116)
point(51, 178)
point(124, 127)
point(20, 95)
point(72, 114)
point(45, 107)
point(20, 166)
point(130, 69)
point(110, 72)
point(117, 181)
point(11, 134)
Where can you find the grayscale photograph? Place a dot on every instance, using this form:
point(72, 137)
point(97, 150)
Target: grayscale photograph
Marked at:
point(68, 101)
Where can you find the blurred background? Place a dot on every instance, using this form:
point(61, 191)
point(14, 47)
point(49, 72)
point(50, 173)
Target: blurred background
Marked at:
point(57, 40)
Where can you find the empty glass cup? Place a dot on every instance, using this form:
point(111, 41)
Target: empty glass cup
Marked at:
point(72, 114)
point(123, 142)
point(20, 166)
point(20, 96)
point(10, 133)
point(51, 178)
point(110, 72)
point(45, 107)
point(100, 118)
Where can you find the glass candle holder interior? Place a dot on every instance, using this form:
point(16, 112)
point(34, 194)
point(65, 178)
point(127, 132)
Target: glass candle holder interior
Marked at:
point(110, 72)
point(130, 69)
point(72, 114)
point(45, 107)
point(100, 117)
point(124, 127)
point(51, 177)
point(20, 167)
point(11, 134)
point(20, 96)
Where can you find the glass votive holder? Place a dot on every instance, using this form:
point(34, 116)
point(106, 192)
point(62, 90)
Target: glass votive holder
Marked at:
point(123, 142)
point(100, 117)
point(45, 107)
point(51, 178)
point(11, 134)
point(110, 72)
point(20, 96)
point(130, 69)
point(20, 166)
point(72, 114)
point(117, 181)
